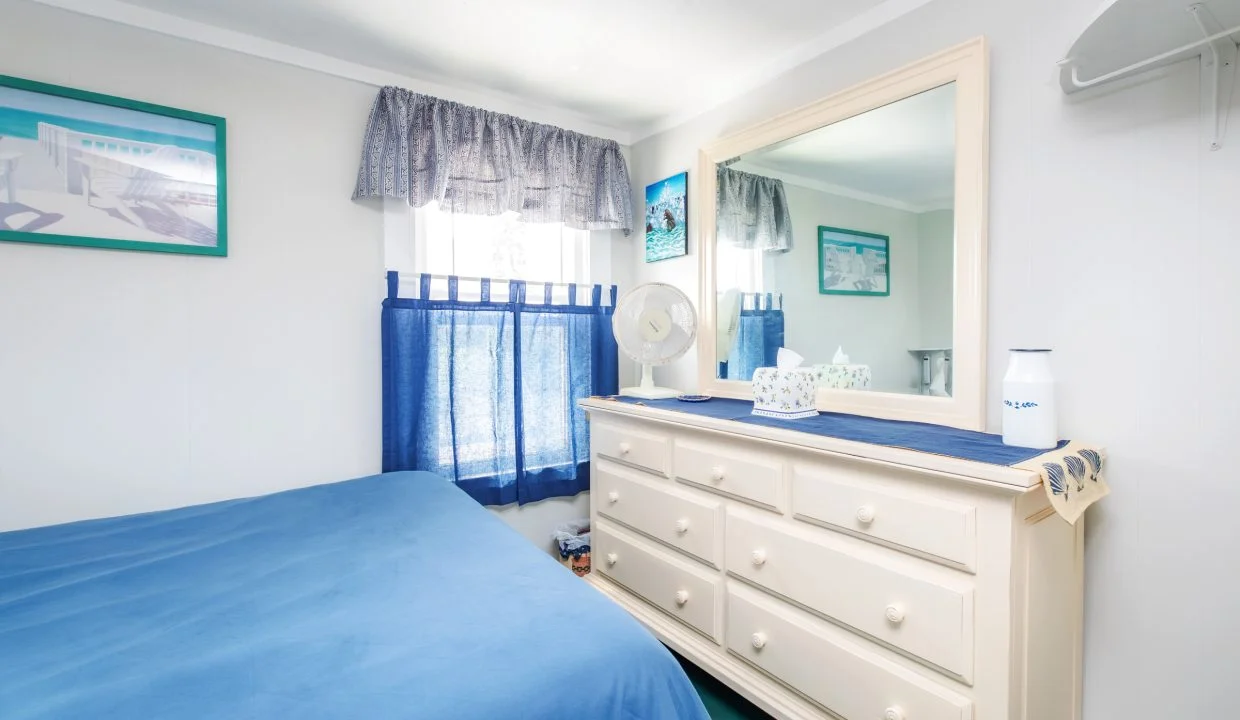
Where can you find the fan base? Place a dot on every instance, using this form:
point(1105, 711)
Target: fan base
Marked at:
point(649, 393)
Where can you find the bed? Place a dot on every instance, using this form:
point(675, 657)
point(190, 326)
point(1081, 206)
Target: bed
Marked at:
point(392, 596)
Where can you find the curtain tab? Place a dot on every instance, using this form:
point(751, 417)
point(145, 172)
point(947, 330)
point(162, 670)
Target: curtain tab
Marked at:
point(516, 291)
point(424, 286)
point(572, 293)
point(454, 284)
point(613, 295)
point(547, 293)
point(393, 284)
point(484, 292)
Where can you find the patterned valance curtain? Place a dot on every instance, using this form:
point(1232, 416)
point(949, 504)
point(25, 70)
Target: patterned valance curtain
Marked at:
point(479, 162)
point(753, 211)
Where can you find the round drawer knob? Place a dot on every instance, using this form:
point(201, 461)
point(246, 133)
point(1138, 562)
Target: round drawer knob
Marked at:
point(895, 613)
point(682, 526)
point(758, 557)
point(625, 448)
point(865, 514)
point(682, 597)
point(612, 558)
point(758, 640)
point(893, 713)
point(716, 474)
point(613, 497)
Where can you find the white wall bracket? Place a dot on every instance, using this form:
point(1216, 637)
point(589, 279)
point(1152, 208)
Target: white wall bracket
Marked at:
point(1110, 41)
point(1218, 74)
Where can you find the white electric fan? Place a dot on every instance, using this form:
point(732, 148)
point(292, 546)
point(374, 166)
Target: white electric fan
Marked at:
point(654, 324)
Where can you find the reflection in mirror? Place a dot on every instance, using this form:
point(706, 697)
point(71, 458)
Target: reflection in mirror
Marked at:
point(838, 244)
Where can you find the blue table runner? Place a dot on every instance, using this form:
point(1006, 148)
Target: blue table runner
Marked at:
point(922, 437)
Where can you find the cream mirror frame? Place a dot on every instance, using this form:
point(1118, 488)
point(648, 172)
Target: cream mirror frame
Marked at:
point(967, 66)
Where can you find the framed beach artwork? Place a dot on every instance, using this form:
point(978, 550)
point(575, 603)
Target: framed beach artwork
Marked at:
point(851, 262)
point(80, 168)
point(667, 212)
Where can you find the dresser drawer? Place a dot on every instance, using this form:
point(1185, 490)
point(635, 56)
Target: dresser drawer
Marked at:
point(689, 524)
point(729, 469)
point(686, 593)
point(645, 450)
point(841, 497)
point(843, 676)
point(929, 619)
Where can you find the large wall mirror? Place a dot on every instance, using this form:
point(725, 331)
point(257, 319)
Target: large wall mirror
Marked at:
point(853, 232)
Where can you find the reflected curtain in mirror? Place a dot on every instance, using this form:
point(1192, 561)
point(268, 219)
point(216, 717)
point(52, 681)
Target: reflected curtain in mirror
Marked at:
point(752, 211)
point(759, 336)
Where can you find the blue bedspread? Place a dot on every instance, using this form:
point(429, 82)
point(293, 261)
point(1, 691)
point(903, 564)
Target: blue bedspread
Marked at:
point(393, 596)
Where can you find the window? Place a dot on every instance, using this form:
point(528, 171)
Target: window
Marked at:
point(486, 393)
point(474, 447)
point(499, 247)
point(739, 268)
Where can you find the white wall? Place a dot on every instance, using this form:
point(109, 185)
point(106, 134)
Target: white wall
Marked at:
point(139, 381)
point(876, 331)
point(1113, 239)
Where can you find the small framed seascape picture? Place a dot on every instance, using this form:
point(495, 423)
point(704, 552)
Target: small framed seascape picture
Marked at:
point(667, 213)
point(851, 262)
point(80, 168)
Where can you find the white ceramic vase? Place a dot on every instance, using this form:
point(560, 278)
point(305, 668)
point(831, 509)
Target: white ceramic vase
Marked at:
point(1029, 400)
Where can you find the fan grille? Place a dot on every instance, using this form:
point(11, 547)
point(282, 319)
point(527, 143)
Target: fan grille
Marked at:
point(638, 302)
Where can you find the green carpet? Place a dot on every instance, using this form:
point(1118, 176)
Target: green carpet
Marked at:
point(720, 701)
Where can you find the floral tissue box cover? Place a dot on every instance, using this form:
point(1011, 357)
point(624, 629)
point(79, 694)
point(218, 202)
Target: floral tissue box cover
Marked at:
point(784, 393)
point(843, 377)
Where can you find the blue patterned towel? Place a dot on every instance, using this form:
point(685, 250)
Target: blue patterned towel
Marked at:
point(1072, 476)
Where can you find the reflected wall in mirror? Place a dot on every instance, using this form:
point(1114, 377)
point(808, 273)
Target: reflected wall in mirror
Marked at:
point(838, 244)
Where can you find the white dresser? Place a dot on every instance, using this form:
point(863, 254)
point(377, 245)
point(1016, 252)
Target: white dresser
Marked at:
point(825, 578)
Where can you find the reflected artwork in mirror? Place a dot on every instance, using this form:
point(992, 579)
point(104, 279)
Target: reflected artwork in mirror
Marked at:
point(838, 244)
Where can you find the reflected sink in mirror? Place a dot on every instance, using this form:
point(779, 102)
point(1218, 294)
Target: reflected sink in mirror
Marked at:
point(838, 244)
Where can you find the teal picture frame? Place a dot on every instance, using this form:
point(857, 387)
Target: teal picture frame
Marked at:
point(85, 169)
point(852, 262)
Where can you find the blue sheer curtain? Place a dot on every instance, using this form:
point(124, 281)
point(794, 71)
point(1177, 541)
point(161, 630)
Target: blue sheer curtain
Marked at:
point(759, 336)
point(484, 392)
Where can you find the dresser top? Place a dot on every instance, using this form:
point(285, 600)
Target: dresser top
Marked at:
point(986, 473)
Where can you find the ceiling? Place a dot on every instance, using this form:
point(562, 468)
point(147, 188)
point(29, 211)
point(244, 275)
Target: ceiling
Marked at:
point(902, 154)
point(634, 67)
